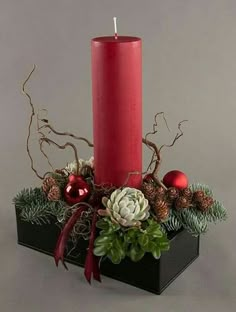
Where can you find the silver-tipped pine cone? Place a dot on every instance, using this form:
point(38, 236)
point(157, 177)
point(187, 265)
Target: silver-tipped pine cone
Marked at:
point(54, 193)
point(149, 191)
point(160, 192)
point(162, 210)
point(186, 192)
point(172, 194)
point(127, 206)
point(48, 182)
point(198, 196)
point(182, 203)
point(205, 204)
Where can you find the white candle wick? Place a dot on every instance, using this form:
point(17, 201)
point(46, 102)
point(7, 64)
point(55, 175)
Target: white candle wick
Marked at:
point(115, 27)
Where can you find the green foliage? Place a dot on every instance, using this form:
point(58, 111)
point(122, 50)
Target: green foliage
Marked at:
point(173, 223)
point(34, 207)
point(193, 220)
point(217, 212)
point(117, 242)
point(201, 187)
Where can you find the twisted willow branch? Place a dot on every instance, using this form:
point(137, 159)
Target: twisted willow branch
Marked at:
point(65, 134)
point(157, 162)
point(154, 131)
point(177, 136)
point(31, 121)
point(47, 140)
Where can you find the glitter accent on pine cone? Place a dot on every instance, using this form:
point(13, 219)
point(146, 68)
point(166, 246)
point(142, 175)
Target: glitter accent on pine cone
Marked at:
point(48, 183)
point(186, 192)
point(149, 191)
point(210, 201)
point(172, 193)
point(54, 193)
point(160, 192)
point(161, 210)
point(205, 204)
point(182, 203)
point(198, 196)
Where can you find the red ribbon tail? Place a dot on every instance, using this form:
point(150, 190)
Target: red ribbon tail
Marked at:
point(96, 269)
point(92, 262)
point(63, 238)
point(59, 251)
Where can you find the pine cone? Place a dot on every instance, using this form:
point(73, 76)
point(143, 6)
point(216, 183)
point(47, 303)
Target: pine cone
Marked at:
point(198, 196)
point(210, 201)
point(48, 183)
point(182, 203)
point(205, 204)
point(162, 210)
point(160, 192)
point(172, 193)
point(149, 191)
point(186, 192)
point(54, 193)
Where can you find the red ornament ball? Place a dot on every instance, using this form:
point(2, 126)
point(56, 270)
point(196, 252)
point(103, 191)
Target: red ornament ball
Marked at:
point(77, 190)
point(176, 178)
point(148, 178)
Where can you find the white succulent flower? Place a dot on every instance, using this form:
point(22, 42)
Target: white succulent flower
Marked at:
point(72, 167)
point(127, 206)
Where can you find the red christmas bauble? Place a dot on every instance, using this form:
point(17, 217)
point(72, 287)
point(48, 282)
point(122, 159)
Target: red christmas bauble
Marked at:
point(76, 190)
point(148, 178)
point(176, 178)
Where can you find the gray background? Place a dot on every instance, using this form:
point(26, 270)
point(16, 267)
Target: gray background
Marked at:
point(189, 71)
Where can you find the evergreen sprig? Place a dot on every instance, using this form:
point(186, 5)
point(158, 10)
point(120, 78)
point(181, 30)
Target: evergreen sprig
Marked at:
point(34, 207)
point(116, 242)
point(194, 221)
point(173, 223)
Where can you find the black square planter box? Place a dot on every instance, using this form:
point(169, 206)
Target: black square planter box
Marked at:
point(148, 274)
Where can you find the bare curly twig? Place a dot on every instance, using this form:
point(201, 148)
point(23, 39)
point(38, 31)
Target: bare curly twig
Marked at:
point(157, 162)
point(178, 135)
point(47, 140)
point(64, 133)
point(31, 121)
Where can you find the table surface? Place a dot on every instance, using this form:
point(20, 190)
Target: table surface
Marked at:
point(30, 282)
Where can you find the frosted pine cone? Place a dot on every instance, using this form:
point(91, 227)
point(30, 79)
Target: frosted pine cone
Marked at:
point(161, 210)
point(172, 193)
point(48, 183)
point(54, 193)
point(160, 192)
point(205, 204)
point(210, 201)
point(182, 203)
point(186, 192)
point(198, 196)
point(149, 191)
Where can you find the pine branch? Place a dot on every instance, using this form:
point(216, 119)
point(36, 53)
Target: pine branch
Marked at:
point(173, 223)
point(57, 209)
point(36, 208)
point(201, 187)
point(29, 197)
point(217, 212)
point(35, 214)
point(193, 222)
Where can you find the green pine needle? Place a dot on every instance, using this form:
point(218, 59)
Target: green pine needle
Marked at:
point(34, 207)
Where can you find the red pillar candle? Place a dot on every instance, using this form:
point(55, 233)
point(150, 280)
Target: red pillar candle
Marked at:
point(117, 110)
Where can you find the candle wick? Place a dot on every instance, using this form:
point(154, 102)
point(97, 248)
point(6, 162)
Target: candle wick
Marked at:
point(115, 27)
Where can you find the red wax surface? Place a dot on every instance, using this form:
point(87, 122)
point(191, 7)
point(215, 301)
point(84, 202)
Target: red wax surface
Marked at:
point(117, 110)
